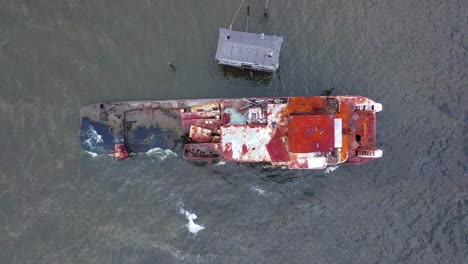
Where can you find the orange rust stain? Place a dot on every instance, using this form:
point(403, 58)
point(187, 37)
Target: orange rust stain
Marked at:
point(365, 127)
point(311, 133)
point(306, 104)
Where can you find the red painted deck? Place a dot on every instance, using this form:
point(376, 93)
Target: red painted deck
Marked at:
point(311, 133)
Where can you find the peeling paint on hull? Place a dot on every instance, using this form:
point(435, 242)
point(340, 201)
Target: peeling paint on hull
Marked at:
point(309, 132)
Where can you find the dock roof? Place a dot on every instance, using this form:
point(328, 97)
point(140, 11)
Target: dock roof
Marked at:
point(248, 50)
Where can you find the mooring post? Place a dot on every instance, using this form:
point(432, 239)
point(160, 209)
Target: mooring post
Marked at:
point(248, 16)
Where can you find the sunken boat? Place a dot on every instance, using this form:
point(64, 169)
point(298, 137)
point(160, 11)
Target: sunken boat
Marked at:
point(308, 132)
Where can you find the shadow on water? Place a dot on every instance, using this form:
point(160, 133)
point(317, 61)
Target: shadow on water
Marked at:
point(255, 78)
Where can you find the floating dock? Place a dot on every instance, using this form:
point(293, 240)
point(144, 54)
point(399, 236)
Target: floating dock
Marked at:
point(248, 50)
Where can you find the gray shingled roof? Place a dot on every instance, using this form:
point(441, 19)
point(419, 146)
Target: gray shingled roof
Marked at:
point(248, 50)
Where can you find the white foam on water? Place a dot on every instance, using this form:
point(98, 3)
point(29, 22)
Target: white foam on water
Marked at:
point(258, 190)
point(160, 153)
point(93, 138)
point(330, 169)
point(221, 163)
point(92, 154)
point(192, 227)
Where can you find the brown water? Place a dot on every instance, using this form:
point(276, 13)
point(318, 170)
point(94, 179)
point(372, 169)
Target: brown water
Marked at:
point(60, 205)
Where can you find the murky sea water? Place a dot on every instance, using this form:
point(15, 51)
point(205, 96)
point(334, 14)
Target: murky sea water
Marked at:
point(58, 204)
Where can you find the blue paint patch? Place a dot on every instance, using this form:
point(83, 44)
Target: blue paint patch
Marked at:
point(100, 138)
point(143, 139)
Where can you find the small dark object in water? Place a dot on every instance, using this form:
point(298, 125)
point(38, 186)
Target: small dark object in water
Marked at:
point(172, 66)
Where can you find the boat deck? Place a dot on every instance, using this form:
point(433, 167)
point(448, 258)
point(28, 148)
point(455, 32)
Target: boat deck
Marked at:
point(298, 132)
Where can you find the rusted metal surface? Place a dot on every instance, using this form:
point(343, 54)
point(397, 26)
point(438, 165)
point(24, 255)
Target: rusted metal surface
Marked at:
point(120, 152)
point(200, 135)
point(203, 151)
point(198, 115)
point(213, 106)
point(212, 124)
point(311, 133)
point(297, 132)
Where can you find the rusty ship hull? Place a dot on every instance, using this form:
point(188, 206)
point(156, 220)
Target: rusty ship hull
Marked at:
point(309, 132)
